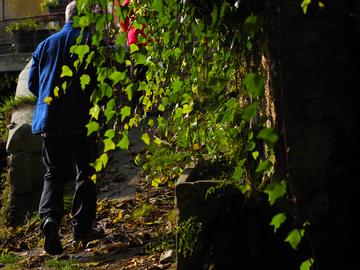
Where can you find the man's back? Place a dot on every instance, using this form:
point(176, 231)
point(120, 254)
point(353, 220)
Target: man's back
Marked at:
point(62, 106)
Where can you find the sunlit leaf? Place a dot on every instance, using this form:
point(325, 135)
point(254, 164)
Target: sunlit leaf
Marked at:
point(294, 237)
point(48, 100)
point(263, 165)
point(56, 91)
point(305, 4)
point(84, 81)
point(117, 76)
point(125, 112)
point(277, 220)
point(94, 112)
point(306, 265)
point(92, 127)
point(275, 190)
point(124, 142)
point(145, 138)
point(66, 71)
point(108, 145)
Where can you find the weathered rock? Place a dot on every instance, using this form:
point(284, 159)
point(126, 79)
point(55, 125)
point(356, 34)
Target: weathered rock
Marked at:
point(25, 160)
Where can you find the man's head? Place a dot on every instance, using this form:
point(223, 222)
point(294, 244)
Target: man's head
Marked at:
point(71, 11)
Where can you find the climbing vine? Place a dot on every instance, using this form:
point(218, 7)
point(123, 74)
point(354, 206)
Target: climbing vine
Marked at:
point(193, 82)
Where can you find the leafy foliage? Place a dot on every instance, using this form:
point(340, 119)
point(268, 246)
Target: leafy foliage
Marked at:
point(193, 82)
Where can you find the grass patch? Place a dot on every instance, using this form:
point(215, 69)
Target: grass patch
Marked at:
point(9, 258)
point(62, 264)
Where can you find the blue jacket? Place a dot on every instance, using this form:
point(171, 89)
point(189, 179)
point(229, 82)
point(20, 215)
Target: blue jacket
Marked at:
point(66, 113)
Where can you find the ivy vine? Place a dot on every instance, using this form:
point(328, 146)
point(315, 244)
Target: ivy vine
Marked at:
point(193, 80)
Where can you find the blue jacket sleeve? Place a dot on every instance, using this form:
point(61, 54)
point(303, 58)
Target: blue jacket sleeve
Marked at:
point(33, 79)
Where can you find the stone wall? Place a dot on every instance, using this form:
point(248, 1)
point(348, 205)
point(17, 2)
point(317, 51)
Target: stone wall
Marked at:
point(24, 158)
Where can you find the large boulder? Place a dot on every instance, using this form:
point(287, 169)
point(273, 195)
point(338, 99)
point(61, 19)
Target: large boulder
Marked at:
point(24, 158)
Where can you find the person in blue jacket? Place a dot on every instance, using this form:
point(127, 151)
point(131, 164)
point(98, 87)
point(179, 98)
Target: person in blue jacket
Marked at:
point(60, 117)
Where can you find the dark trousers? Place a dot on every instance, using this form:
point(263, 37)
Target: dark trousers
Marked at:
point(59, 156)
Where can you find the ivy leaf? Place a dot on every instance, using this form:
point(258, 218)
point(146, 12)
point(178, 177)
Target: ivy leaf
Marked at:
point(145, 138)
point(306, 265)
point(263, 165)
point(81, 51)
point(125, 112)
point(239, 170)
point(94, 112)
point(84, 81)
point(139, 58)
point(84, 21)
point(275, 190)
point(252, 24)
point(56, 91)
point(110, 133)
point(268, 135)
point(108, 145)
point(294, 237)
point(117, 76)
point(101, 162)
point(48, 100)
point(254, 84)
point(124, 142)
point(66, 71)
point(305, 4)
point(249, 112)
point(92, 127)
point(277, 220)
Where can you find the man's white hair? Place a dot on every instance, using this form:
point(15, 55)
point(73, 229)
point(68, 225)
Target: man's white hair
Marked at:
point(71, 11)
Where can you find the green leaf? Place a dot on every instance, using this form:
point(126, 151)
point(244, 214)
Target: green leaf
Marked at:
point(306, 265)
point(56, 91)
point(81, 51)
point(157, 5)
point(84, 21)
point(275, 190)
point(305, 4)
point(66, 71)
point(277, 220)
point(109, 111)
point(48, 100)
point(263, 165)
point(108, 145)
point(145, 138)
point(124, 142)
point(255, 154)
point(268, 135)
point(139, 58)
point(228, 116)
point(294, 237)
point(250, 112)
point(110, 133)
point(101, 162)
point(84, 81)
point(117, 76)
point(239, 170)
point(254, 84)
point(94, 112)
point(215, 15)
point(125, 112)
point(92, 127)
point(252, 24)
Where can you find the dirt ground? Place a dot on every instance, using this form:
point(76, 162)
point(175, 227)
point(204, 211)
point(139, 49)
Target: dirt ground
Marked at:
point(139, 223)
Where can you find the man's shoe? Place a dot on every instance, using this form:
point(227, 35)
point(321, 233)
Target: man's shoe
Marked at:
point(88, 235)
point(52, 238)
